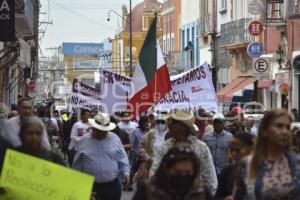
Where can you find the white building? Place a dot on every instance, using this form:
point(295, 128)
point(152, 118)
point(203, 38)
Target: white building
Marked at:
point(189, 33)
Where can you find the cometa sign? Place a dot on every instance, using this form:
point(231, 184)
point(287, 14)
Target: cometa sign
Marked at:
point(82, 49)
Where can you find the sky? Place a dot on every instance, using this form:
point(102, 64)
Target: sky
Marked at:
point(78, 21)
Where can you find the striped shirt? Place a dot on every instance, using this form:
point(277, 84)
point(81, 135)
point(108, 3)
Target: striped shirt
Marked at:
point(218, 145)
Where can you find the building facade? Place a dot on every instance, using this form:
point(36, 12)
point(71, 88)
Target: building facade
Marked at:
point(171, 46)
point(190, 53)
point(142, 16)
point(19, 59)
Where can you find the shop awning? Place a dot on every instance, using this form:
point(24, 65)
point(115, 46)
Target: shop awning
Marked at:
point(265, 83)
point(241, 88)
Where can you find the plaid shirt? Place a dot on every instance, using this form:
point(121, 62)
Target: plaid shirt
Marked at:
point(207, 172)
point(218, 146)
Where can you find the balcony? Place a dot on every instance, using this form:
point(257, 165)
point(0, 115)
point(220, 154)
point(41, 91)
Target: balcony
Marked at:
point(24, 18)
point(235, 35)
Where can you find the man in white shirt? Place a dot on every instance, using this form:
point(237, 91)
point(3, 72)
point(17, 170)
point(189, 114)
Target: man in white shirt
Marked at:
point(79, 129)
point(12, 127)
point(102, 155)
point(126, 124)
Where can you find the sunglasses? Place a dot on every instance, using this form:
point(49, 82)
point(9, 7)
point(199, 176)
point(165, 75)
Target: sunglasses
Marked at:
point(282, 125)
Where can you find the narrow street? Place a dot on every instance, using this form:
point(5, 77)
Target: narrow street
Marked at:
point(127, 195)
point(182, 99)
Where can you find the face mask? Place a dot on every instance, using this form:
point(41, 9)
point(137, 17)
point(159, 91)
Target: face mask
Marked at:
point(161, 127)
point(180, 184)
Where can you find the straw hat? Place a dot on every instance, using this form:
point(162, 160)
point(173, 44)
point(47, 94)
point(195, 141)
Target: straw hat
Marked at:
point(3, 110)
point(102, 122)
point(184, 117)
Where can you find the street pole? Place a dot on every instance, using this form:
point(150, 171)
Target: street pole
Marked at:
point(130, 40)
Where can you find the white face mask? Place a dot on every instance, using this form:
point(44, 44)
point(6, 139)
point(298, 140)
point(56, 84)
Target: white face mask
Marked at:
point(161, 127)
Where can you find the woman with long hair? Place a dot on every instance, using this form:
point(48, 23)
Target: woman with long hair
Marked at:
point(272, 172)
point(176, 177)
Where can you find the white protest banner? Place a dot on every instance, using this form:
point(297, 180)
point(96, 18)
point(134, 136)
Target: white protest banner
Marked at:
point(114, 90)
point(191, 90)
point(84, 96)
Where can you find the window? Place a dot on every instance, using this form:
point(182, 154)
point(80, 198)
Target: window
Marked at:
point(223, 7)
point(223, 4)
point(197, 52)
point(187, 35)
point(204, 21)
point(193, 36)
point(172, 44)
point(167, 49)
point(164, 46)
point(239, 10)
point(119, 56)
point(146, 20)
point(183, 39)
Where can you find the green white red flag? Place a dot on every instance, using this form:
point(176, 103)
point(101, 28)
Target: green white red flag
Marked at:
point(151, 80)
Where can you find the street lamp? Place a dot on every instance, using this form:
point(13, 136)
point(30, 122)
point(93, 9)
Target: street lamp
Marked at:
point(111, 10)
point(279, 55)
point(280, 60)
point(130, 34)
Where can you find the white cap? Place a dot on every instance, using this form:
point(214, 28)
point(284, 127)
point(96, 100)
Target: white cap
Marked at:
point(218, 116)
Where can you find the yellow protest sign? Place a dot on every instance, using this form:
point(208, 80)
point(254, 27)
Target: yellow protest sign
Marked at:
point(29, 178)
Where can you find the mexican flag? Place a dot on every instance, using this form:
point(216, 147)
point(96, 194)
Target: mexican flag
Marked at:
point(151, 80)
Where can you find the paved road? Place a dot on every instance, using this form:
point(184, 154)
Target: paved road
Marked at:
point(127, 195)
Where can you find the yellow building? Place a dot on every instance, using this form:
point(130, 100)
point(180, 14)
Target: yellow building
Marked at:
point(142, 16)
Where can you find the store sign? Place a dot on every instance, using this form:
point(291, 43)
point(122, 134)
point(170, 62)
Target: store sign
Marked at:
point(255, 50)
point(255, 28)
point(82, 49)
point(85, 64)
point(255, 7)
point(261, 69)
point(7, 20)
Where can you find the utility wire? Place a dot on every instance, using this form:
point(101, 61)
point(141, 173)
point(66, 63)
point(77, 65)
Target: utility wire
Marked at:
point(79, 14)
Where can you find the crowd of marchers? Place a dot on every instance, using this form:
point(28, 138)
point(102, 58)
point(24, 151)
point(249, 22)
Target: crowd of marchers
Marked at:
point(175, 155)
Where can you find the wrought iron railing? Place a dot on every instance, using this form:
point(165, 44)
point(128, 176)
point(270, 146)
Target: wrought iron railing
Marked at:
point(235, 32)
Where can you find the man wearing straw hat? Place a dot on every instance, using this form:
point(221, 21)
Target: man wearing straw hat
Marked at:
point(102, 155)
point(182, 130)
